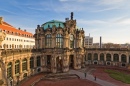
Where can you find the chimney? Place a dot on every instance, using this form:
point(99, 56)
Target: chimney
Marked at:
point(19, 28)
point(25, 30)
point(100, 42)
point(1, 20)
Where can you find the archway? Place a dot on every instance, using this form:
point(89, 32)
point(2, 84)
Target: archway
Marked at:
point(39, 70)
point(108, 57)
point(89, 56)
point(95, 56)
point(59, 63)
point(71, 61)
point(116, 58)
point(48, 61)
point(123, 58)
point(101, 57)
point(25, 75)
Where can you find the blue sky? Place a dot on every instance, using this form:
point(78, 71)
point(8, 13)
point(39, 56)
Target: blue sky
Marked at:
point(107, 18)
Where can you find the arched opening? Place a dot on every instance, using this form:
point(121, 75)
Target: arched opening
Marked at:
point(59, 41)
point(101, 57)
point(24, 64)
point(9, 69)
point(89, 56)
point(31, 62)
point(71, 61)
point(17, 67)
point(25, 75)
point(95, 56)
point(49, 61)
point(123, 64)
point(39, 70)
point(108, 57)
point(123, 58)
point(48, 41)
point(116, 58)
point(38, 61)
point(108, 63)
point(59, 63)
point(95, 62)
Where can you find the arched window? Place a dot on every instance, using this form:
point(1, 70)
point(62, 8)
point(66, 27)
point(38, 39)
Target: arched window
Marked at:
point(108, 57)
point(101, 57)
point(48, 41)
point(89, 56)
point(71, 41)
point(59, 41)
point(123, 58)
point(17, 67)
point(38, 61)
point(95, 56)
point(24, 64)
point(31, 62)
point(9, 70)
point(116, 57)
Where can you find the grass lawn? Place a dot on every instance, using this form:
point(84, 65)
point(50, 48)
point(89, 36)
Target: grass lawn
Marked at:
point(119, 75)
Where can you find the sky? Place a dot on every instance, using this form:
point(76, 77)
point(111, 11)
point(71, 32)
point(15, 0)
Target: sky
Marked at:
point(109, 19)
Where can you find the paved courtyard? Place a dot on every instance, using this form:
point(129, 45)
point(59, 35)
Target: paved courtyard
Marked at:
point(103, 79)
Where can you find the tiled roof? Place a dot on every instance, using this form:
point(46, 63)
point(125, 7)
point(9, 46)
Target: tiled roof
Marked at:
point(7, 27)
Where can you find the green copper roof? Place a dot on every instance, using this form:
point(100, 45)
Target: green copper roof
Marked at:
point(53, 22)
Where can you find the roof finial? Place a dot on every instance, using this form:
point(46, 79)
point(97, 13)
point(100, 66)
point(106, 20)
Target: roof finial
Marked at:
point(71, 15)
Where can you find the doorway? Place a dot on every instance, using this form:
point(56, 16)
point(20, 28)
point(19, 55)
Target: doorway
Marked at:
point(71, 61)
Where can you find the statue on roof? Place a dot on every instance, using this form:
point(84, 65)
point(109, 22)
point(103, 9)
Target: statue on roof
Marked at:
point(71, 15)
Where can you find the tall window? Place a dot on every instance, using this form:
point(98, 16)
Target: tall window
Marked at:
point(38, 61)
point(31, 62)
point(9, 70)
point(59, 41)
point(71, 41)
point(48, 41)
point(17, 67)
point(24, 64)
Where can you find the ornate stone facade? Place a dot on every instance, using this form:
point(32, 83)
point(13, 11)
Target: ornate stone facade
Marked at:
point(62, 44)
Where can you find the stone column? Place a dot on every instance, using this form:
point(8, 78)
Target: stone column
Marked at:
point(21, 74)
point(127, 59)
point(104, 58)
point(13, 69)
point(53, 65)
point(41, 42)
point(119, 57)
point(53, 44)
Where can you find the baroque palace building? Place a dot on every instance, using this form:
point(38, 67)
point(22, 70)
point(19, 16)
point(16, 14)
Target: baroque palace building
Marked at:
point(59, 46)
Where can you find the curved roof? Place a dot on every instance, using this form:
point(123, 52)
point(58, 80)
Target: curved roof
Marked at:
point(51, 23)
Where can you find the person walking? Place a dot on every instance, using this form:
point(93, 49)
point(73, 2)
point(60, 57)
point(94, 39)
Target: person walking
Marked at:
point(95, 78)
point(85, 74)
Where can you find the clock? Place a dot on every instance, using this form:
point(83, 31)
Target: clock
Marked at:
point(71, 37)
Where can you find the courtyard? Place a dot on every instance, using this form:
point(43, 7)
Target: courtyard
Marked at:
point(77, 78)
